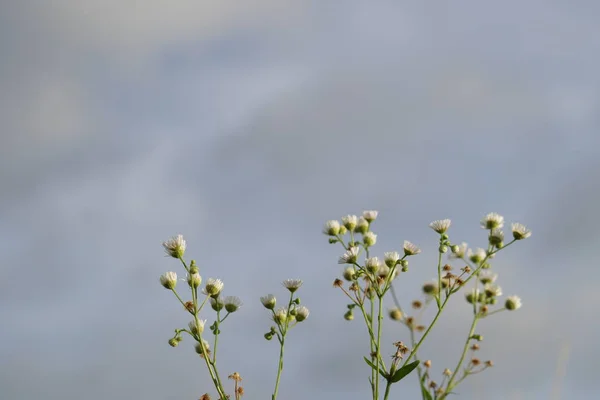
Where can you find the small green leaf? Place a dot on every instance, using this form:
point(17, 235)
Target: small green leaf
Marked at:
point(405, 370)
point(385, 376)
point(426, 394)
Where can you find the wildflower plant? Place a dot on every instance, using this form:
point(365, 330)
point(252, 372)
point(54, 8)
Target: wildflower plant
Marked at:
point(284, 318)
point(370, 280)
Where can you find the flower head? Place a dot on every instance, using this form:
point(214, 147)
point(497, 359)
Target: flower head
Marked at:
point(458, 250)
point(362, 226)
point(232, 303)
point(213, 287)
point(496, 237)
point(411, 249)
point(292, 284)
point(440, 225)
point(268, 301)
point(350, 256)
point(492, 221)
point(301, 313)
point(513, 303)
point(331, 228)
point(197, 329)
point(281, 315)
point(492, 290)
point(169, 280)
point(369, 239)
point(194, 280)
point(520, 231)
point(216, 303)
point(370, 215)
point(391, 258)
point(486, 277)
point(350, 222)
point(372, 264)
point(349, 273)
point(477, 256)
point(175, 247)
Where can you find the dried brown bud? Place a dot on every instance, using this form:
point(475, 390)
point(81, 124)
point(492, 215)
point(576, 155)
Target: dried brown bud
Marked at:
point(189, 305)
point(338, 283)
point(489, 363)
point(427, 364)
point(420, 328)
point(475, 361)
point(475, 347)
point(235, 376)
point(447, 267)
point(417, 304)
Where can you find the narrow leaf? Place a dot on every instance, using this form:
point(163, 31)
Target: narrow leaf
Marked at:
point(405, 370)
point(385, 376)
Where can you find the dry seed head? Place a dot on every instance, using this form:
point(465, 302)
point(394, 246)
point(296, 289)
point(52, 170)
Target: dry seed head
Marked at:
point(427, 364)
point(417, 304)
point(338, 283)
point(475, 361)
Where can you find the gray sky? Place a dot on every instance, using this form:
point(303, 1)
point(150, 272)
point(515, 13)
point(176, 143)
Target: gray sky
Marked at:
point(246, 125)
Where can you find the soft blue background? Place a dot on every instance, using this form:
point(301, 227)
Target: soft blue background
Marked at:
point(244, 125)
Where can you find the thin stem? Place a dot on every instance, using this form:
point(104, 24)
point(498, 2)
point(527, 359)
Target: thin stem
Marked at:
point(449, 387)
point(280, 368)
point(378, 346)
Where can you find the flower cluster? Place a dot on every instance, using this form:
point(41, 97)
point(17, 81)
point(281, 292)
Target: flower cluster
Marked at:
point(370, 278)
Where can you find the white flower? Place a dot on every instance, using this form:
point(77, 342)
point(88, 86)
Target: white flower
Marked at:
point(362, 226)
point(513, 303)
point(350, 256)
point(520, 231)
point(477, 256)
point(492, 290)
point(486, 277)
point(370, 215)
point(268, 301)
point(440, 225)
point(301, 313)
point(391, 258)
point(372, 264)
point(496, 236)
point(169, 280)
point(458, 250)
point(369, 239)
point(213, 287)
point(197, 329)
point(350, 222)
point(492, 220)
point(292, 284)
point(331, 228)
point(175, 247)
point(349, 273)
point(410, 249)
point(194, 280)
point(280, 315)
point(216, 303)
point(232, 303)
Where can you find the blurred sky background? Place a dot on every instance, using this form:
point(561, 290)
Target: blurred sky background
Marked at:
point(245, 125)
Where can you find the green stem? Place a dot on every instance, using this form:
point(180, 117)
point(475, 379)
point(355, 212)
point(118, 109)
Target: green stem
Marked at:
point(450, 386)
point(378, 345)
point(437, 315)
point(280, 368)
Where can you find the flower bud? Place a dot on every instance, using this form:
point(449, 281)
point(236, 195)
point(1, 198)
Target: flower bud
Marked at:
point(194, 279)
